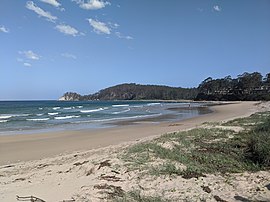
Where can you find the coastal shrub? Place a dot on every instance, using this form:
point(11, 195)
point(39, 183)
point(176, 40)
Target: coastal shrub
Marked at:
point(258, 145)
point(207, 150)
point(165, 169)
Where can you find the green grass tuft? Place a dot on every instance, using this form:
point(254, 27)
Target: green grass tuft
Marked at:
point(207, 150)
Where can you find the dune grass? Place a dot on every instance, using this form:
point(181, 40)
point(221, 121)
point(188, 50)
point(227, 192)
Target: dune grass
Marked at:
point(202, 151)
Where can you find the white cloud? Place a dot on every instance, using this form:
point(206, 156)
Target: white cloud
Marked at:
point(99, 27)
point(69, 55)
point(129, 37)
point(54, 3)
point(3, 29)
point(120, 36)
point(92, 4)
point(31, 6)
point(27, 64)
point(68, 30)
point(30, 55)
point(217, 8)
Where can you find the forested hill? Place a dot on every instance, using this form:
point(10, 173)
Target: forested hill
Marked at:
point(247, 86)
point(136, 92)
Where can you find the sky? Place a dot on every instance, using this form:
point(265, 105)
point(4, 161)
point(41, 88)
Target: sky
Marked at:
point(49, 47)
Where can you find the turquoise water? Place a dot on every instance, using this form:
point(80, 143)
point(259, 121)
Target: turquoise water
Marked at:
point(32, 116)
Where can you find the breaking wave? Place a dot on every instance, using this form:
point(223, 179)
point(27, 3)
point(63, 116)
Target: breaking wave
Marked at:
point(44, 119)
point(120, 105)
point(121, 112)
point(53, 113)
point(65, 117)
point(92, 110)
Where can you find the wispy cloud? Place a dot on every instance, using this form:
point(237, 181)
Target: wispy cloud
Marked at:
point(68, 30)
point(4, 29)
point(30, 55)
point(54, 3)
point(99, 27)
point(120, 36)
point(113, 25)
point(92, 4)
point(69, 55)
point(26, 64)
point(31, 6)
point(217, 8)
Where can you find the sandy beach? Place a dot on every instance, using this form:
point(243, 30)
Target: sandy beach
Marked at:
point(62, 165)
point(16, 148)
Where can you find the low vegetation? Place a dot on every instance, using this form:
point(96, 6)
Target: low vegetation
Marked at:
point(201, 151)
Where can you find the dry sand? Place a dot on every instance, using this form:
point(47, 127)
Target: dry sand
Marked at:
point(64, 165)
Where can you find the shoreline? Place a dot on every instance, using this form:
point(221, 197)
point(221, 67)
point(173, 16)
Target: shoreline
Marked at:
point(101, 173)
point(27, 147)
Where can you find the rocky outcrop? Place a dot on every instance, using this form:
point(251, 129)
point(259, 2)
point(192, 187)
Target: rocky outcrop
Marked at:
point(70, 96)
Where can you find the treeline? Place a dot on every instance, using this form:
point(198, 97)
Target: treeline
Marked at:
point(247, 86)
point(134, 91)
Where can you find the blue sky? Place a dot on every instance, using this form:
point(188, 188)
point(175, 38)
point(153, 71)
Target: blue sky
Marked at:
point(49, 47)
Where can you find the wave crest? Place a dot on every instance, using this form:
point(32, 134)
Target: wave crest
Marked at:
point(65, 117)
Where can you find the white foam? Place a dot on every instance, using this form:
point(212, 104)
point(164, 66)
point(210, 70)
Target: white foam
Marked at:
point(5, 117)
point(44, 119)
point(20, 114)
point(55, 108)
point(120, 118)
point(52, 114)
point(120, 105)
point(39, 114)
point(121, 112)
point(91, 110)
point(65, 117)
point(137, 106)
point(152, 104)
point(3, 121)
point(40, 108)
point(67, 107)
point(79, 107)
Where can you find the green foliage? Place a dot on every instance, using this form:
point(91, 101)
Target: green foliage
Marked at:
point(206, 150)
point(258, 145)
point(134, 91)
point(247, 86)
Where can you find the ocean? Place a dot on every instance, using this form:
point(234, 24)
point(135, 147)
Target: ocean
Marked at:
point(17, 117)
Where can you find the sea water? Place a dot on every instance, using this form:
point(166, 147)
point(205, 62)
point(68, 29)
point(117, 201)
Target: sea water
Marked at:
point(37, 116)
